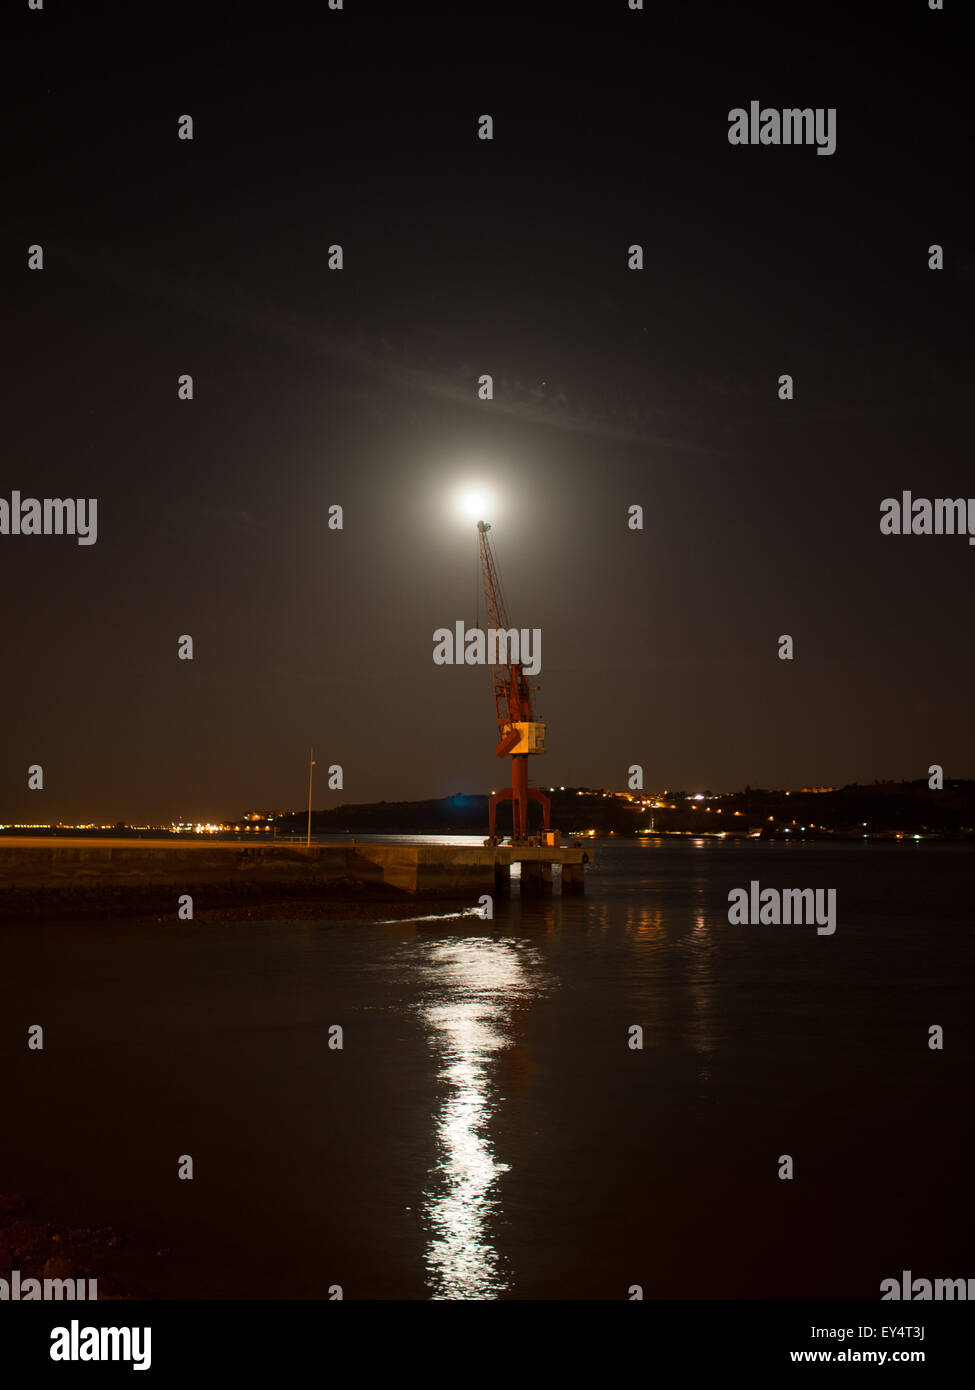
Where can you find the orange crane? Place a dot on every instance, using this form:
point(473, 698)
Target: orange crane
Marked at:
point(519, 733)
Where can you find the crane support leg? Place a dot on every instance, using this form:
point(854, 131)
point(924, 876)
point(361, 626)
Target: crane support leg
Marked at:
point(519, 799)
point(535, 795)
point(504, 794)
point(519, 794)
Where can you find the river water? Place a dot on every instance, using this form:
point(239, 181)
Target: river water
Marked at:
point(487, 1130)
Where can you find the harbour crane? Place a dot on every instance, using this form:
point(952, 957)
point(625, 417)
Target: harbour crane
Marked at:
point(519, 733)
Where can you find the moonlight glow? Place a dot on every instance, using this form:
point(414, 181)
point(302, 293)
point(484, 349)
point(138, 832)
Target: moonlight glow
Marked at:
point(472, 502)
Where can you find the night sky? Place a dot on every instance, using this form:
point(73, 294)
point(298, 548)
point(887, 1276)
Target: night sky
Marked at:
point(358, 387)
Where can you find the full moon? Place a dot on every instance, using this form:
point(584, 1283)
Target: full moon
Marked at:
point(473, 503)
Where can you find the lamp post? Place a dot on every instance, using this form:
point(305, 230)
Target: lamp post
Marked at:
point(311, 764)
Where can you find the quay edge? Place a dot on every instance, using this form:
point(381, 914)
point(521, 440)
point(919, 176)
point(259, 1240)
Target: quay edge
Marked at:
point(44, 876)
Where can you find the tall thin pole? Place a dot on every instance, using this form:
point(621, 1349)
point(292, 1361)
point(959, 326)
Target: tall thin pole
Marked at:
point(311, 764)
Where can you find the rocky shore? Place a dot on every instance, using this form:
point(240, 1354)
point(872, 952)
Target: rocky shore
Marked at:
point(42, 1249)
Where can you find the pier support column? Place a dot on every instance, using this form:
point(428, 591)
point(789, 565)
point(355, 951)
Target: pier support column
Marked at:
point(502, 880)
point(573, 879)
point(536, 879)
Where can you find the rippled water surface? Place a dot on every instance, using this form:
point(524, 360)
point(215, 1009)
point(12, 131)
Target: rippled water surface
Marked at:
point(487, 1130)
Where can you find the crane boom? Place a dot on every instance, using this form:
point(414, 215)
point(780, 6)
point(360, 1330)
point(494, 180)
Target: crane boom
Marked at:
point(512, 693)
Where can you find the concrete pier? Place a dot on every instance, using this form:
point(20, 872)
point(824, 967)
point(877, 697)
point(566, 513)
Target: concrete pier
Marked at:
point(536, 879)
point(43, 875)
point(573, 878)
